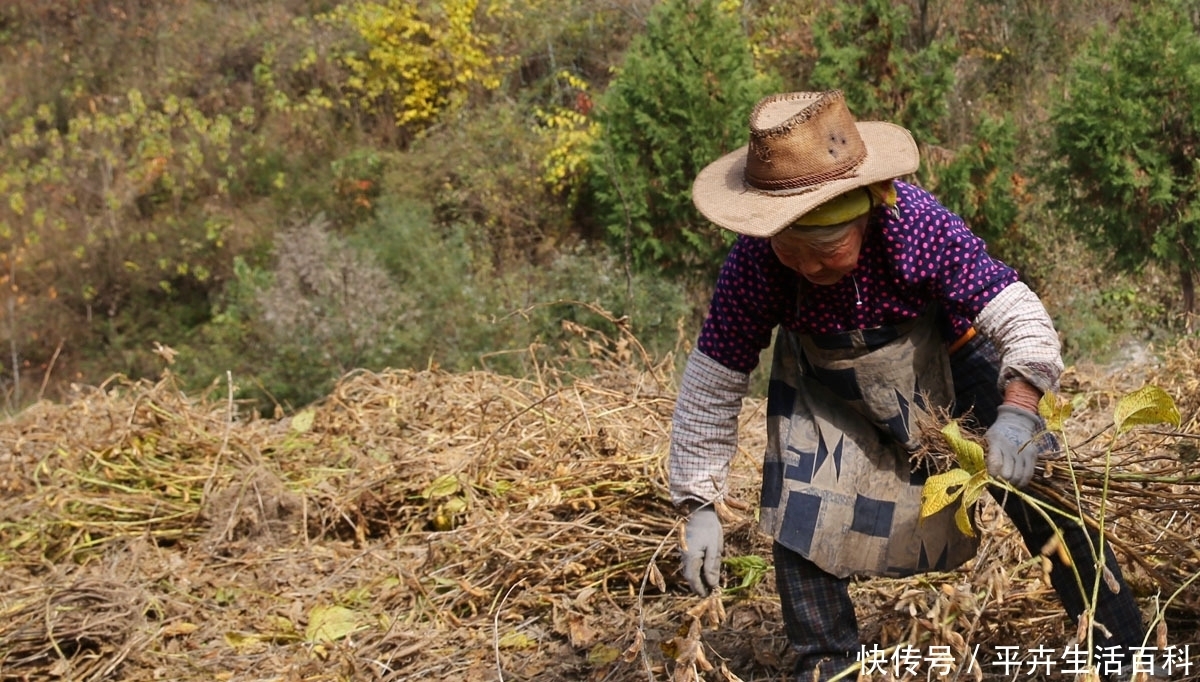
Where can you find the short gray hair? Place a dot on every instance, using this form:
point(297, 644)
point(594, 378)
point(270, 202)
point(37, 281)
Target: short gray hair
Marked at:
point(819, 237)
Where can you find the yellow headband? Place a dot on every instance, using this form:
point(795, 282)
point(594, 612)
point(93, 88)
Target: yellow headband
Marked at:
point(846, 207)
point(838, 210)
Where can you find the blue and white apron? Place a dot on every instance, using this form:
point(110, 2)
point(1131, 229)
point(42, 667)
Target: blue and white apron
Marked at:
point(842, 420)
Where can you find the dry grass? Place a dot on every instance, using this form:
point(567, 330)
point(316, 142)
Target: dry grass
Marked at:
point(435, 526)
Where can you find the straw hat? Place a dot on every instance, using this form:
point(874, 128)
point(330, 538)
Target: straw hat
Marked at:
point(805, 149)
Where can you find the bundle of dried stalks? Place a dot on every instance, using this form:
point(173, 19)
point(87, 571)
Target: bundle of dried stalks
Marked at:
point(1138, 484)
point(1141, 483)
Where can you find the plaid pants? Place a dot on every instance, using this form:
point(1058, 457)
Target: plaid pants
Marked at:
point(817, 611)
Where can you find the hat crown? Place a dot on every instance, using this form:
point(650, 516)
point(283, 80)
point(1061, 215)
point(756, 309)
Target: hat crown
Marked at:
point(800, 140)
point(805, 149)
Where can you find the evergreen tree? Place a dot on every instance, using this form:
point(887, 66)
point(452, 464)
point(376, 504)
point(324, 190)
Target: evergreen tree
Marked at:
point(1127, 136)
point(890, 67)
point(980, 182)
point(681, 99)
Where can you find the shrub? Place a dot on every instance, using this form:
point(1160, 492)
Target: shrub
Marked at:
point(402, 292)
point(414, 61)
point(980, 182)
point(1126, 134)
point(324, 308)
point(680, 100)
point(485, 175)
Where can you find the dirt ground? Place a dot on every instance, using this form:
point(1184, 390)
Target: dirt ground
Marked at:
point(437, 526)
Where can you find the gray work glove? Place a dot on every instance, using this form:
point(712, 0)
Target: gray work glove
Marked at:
point(702, 558)
point(1011, 456)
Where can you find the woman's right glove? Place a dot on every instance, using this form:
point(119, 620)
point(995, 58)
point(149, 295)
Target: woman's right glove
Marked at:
point(705, 541)
point(1011, 456)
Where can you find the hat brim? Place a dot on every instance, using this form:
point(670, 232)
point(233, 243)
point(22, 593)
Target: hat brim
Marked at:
point(720, 191)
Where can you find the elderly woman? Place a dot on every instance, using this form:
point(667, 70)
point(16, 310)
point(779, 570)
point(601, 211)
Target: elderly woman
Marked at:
point(883, 305)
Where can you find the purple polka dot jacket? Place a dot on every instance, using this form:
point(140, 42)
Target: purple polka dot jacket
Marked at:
point(912, 256)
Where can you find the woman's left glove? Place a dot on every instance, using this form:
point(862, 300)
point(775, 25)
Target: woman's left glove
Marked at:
point(1011, 456)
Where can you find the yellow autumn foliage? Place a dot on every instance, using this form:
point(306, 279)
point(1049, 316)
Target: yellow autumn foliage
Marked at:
point(570, 132)
point(418, 60)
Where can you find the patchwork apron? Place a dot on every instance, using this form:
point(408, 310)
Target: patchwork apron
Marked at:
point(842, 415)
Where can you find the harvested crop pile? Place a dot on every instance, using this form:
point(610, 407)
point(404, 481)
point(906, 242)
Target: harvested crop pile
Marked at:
point(422, 525)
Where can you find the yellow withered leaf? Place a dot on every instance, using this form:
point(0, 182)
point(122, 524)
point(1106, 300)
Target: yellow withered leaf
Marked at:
point(1054, 410)
point(962, 518)
point(330, 623)
point(602, 654)
point(974, 488)
point(243, 641)
point(1147, 405)
point(941, 490)
point(303, 422)
point(969, 453)
point(442, 486)
point(516, 640)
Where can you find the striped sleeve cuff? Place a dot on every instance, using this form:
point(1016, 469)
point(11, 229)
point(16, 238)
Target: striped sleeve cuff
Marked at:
point(704, 429)
point(1017, 322)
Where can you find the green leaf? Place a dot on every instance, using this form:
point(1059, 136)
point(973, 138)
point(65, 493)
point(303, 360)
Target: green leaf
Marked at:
point(749, 567)
point(941, 490)
point(1147, 405)
point(680, 100)
point(1119, 180)
point(330, 623)
point(969, 453)
point(16, 202)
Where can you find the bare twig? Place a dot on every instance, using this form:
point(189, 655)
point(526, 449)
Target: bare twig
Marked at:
point(496, 629)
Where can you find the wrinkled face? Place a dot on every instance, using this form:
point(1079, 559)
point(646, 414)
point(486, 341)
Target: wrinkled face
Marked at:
point(823, 261)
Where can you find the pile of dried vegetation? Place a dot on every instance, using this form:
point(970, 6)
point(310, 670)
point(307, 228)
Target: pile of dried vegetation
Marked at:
point(421, 525)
